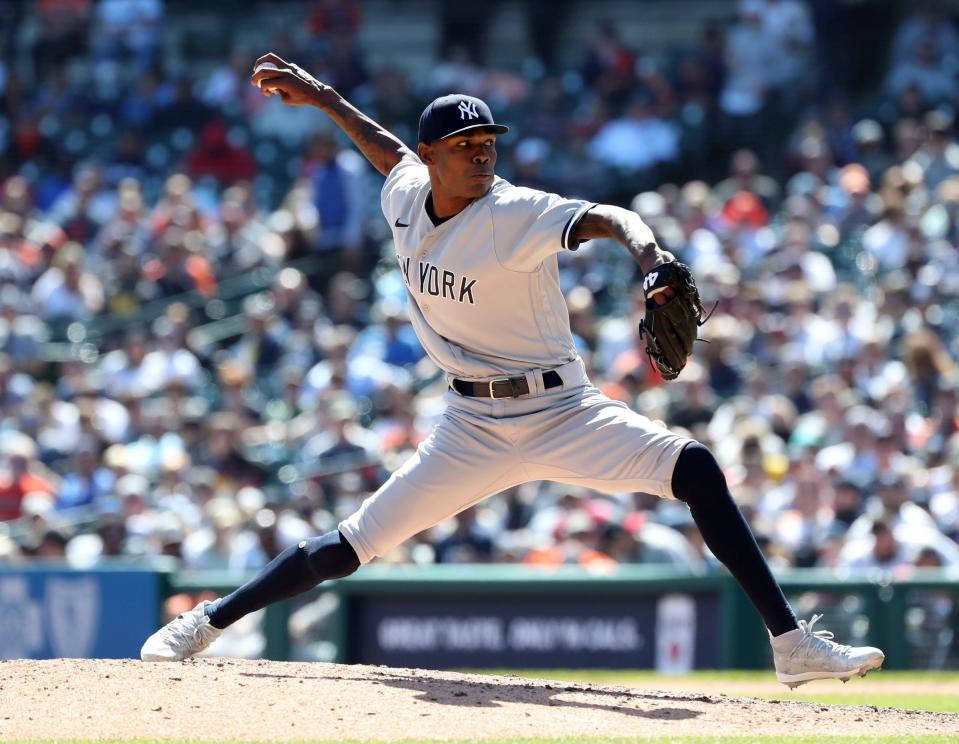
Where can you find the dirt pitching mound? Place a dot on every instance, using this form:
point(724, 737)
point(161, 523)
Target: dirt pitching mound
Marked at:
point(227, 699)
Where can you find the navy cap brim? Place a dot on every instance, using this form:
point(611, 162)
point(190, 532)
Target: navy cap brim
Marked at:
point(497, 128)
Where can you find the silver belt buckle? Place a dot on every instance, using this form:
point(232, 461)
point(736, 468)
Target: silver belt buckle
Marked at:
point(498, 379)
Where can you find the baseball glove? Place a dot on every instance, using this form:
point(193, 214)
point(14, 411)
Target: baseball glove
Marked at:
point(671, 328)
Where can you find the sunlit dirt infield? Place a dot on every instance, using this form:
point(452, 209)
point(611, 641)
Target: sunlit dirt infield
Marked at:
point(227, 699)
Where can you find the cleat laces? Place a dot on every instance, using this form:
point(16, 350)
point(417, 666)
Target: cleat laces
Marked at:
point(824, 637)
point(181, 635)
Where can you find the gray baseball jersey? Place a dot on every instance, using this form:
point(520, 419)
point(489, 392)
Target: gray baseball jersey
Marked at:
point(485, 301)
point(484, 285)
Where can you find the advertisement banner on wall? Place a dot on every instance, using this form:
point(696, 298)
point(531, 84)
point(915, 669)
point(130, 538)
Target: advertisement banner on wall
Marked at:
point(673, 633)
point(51, 613)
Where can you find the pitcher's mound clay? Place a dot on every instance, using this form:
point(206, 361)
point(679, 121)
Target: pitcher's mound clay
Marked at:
point(228, 699)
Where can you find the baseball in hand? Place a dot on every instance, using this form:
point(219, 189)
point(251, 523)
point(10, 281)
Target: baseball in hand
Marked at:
point(265, 66)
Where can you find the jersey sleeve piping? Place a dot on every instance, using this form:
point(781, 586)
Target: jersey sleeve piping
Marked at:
point(571, 223)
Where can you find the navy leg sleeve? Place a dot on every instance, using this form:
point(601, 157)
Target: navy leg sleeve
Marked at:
point(699, 481)
point(294, 571)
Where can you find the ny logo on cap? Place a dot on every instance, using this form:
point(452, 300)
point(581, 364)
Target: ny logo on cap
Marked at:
point(468, 110)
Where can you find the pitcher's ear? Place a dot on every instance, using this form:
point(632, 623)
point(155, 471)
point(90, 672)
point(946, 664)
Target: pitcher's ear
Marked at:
point(425, 152)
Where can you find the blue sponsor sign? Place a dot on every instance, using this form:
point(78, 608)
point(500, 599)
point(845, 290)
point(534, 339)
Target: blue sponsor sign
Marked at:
point(48, 613)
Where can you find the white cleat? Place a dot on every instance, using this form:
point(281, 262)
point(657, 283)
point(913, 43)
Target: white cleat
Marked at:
point(182, 637)
point(803, 655)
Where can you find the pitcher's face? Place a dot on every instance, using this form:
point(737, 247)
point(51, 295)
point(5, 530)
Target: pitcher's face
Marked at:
point(461, 165)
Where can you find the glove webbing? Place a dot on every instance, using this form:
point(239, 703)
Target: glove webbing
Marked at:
point(656, 359)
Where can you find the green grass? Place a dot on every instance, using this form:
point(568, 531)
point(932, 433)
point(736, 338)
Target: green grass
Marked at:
point(868, 691)
point(939, 703)
point(627, 676)
point(622, 676)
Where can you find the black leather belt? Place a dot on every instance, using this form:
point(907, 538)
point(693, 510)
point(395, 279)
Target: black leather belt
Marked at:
point(504, 387)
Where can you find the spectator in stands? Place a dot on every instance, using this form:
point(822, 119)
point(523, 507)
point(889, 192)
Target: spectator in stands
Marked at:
point(745, 174)
point(21, 334)
point(389, 338)
point(181, 110)
point(638, 140)
point(344, 64)
point(141, 104)
point(926, 24)
point(835, 271)
point(529, 158)
point(609, 65)
point(928, 70)
point(838, 125)
point(265, 541)
point(112, 532)
point(122, 369)
point(210, 547)
point(258, 349)
point(169, 360)
point(908, 138)
point(237, 393)
point(911, 523)
point(345, 305)
point(338, 182)
point(393, 103)
point(787, 25)
point(240, 237)
point(642, 540)
point(939, 155)
point(86, 482)
point(21, 475)
point(128, 31)
point(929, 364)
point(291, 125)
point(848, 503)
point(344, 442)
point(181, 264)
point(878, 549)
point(330, 18)
point(52, 546)
point(750, 73)
point(65, 292)
point(887, 240)
point(227, 83)
point(84, 206)
point(870, 153)
point(801, 528)
point(852, 206)
point(468, 543)
point(221, 448)
point(63, 27)
point(214, 155)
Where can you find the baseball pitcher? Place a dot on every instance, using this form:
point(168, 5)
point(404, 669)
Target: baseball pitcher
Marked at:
point(478, 256)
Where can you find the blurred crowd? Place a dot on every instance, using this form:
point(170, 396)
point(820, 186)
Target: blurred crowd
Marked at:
point(204, 350)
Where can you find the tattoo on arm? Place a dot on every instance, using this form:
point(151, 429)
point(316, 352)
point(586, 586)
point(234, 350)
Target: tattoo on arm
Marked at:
point(382, 148)
point(623, 226)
